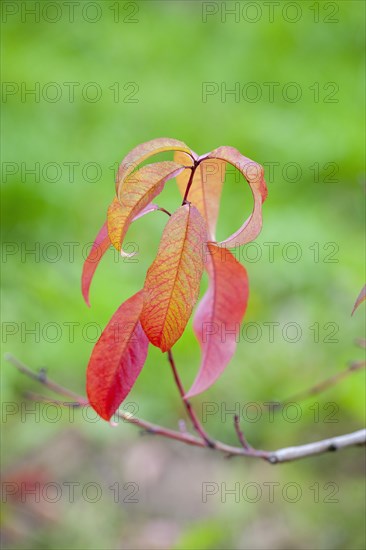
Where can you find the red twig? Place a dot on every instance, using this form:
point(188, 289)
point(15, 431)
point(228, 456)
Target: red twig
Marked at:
point(239, 433)
point(190, 411)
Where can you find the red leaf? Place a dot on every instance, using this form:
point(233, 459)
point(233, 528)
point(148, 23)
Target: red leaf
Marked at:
point(254, 174)
point(172, 282)
point(141, 153)
point(99, 248)
point(360, 298)
point(117, 358)
point(218, 316)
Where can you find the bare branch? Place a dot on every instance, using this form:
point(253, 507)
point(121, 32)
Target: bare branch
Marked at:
point(273, 457)
point(317, 447)
point(42, 378)
point(360, 342)
point(240, 434)
point(321, 386)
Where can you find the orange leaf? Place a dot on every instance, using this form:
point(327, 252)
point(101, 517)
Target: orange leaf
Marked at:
point(254, 174)
point(206, 188)
point(142, 152)
point(117, 358)
point(139, 190)
point(172, 282)
point(217, 319)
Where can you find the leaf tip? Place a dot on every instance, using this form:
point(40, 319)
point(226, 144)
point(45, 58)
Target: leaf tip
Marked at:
point(85, 294)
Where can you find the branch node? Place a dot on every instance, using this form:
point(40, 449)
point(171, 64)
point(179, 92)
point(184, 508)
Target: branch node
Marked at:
point(210, 443)
point(182, 426)
point(42, 375)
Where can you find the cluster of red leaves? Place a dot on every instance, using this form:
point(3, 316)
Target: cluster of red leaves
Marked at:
point(160, 311)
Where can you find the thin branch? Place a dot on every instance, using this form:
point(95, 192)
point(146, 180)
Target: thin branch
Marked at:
point(45, 399)
point(320, 386)
point(239, 433)
point(317, 447)
point(273, 457)
point(41, 377)
point(190, 411)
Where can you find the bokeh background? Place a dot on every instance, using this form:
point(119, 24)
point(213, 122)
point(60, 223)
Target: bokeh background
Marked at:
point(140, 71)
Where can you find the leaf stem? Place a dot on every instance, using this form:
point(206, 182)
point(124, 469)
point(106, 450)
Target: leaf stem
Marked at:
point(164, 210)
point(190, 181)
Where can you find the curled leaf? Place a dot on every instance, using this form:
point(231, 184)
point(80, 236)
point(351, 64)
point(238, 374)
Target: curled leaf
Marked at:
point(254, 174)
point(117, 358)
point(217, 319)
point(139, 190)
point(172, 282)
point(141, 153)
point(360, 298)
point(206, 188)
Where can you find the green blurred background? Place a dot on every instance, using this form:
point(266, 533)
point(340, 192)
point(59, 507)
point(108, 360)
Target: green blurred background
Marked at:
point(149, 64)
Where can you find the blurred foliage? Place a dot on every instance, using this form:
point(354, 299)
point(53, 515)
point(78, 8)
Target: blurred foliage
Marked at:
point(168, 55)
